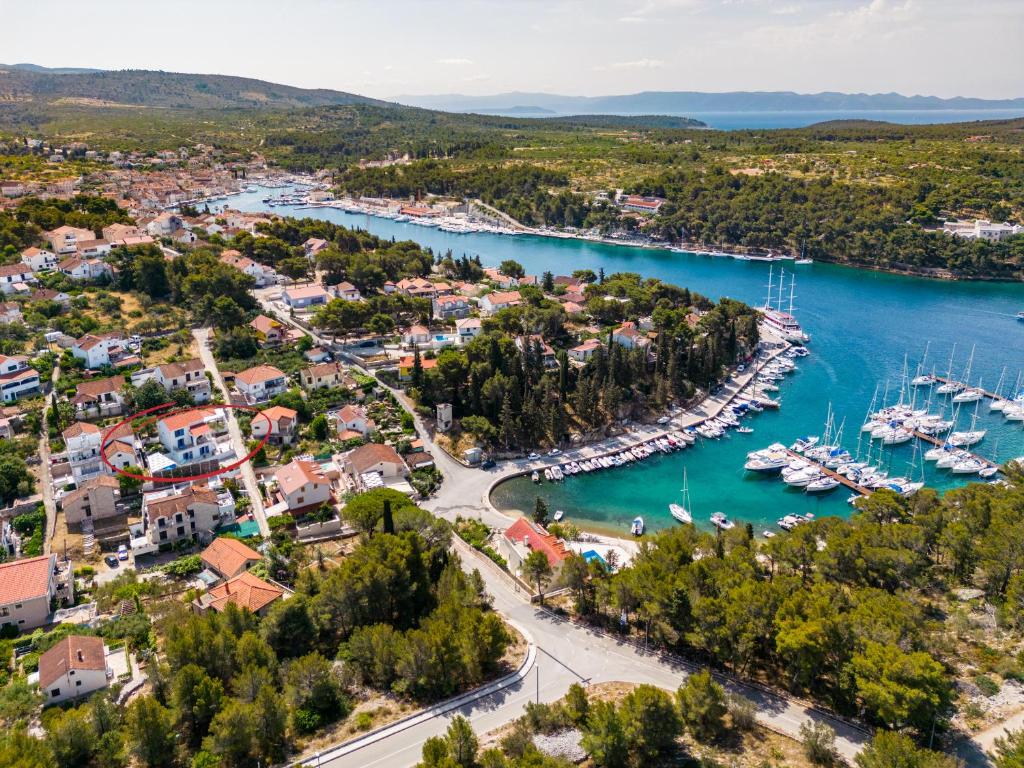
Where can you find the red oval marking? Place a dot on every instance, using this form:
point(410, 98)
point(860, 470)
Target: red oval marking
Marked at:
point(187, 478)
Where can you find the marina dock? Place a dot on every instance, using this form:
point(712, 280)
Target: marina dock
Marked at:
point(985, 392)
point(832, 473)
point(939, 443)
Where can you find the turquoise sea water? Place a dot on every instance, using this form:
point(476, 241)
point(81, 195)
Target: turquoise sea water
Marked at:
point(862, 324)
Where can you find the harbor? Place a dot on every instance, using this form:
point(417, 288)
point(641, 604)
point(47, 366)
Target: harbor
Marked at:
point(855, 344)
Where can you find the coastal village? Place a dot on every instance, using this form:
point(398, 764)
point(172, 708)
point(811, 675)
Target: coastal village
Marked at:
point(216, 458)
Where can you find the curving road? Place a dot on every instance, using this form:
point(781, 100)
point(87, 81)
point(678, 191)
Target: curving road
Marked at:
point(567, 653)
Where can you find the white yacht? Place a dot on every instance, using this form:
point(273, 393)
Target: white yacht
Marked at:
point(681, 512)
point(637, 526)
point(720, 521)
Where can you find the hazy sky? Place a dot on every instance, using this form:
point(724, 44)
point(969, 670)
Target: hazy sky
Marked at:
point(592, 47)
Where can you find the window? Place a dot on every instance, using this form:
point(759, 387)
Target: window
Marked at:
point(5, 611)
point(163, 535)
point(55, 691)
point(78, 682)
point(17, 606)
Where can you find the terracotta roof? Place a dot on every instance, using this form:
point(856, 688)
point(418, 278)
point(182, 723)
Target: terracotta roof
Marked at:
point(10, 270)
point(96, 388)
point(97, 482)
point(73, 652)
point(25, 579)
point(503, 297)
point(297, 473)
point(350, 412)
point(366, 456)
point(323, 369)
point(426, 363)
point(278, 412)
point(170, 370)
point(78, 429)
point(245, 591)
point(538, 540)
point(306, 292)
point(258, 374)
point(228, 556)
point(187, 418)
point(264, 324)
point(90, 340)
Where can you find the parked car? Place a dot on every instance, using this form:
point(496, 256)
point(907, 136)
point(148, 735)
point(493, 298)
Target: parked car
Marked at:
point(111, 561)
point(122, 552)
point(554, 452)
point(664, 420)
point(488, 464)
point(533, 456)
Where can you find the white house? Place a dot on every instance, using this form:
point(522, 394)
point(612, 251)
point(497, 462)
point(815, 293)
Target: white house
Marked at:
point(415, 335)
point(76, 666)
point(468, 329)
point(38, 259)
point(583, 352)
point(279, 422)
point(99, 398)
point(189, 375)
point(374, 459)
point(15, 278)
point(82, 442)
point(345, 290)
point(98, 350)
point(496, 301)
point(17, 379)
point(352, 421)
point(263, 275)
point(981, 229)
point(92, 249)
point(94, 499)
point(303, 485)
point(260, 383)
point(629, 337)
point(78, 268)
point(301, 297)
point(188, 437)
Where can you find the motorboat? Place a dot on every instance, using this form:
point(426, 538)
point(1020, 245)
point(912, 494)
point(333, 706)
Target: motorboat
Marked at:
point(965, 439)
point(968, 466)
point(535, 476)
point(720, 521)
point(822, 485)
point(637, 526)
point(559, 514)
point(745, 430)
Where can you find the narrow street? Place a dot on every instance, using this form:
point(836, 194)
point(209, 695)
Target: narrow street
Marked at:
point(45, 477)
point(202, 336)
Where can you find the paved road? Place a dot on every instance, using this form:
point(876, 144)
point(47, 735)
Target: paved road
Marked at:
point(566, 654)
point(252, 488)
point(45, 476)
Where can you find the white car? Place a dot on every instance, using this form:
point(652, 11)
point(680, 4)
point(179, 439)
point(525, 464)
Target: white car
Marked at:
point(554, 452)
point(122, 553)
point(664, 420)
point(533, 456)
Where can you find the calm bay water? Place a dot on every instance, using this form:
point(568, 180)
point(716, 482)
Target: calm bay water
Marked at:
point(862, 324)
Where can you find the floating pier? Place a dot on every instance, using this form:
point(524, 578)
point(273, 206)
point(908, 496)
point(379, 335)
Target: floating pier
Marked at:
point(832, 473)
point(937, 442)
point(985, 392)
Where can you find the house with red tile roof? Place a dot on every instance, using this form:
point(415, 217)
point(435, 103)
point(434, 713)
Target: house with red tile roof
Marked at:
point(16, 278)
point(168, 516)
point(99, 398)
point(188, 436)
point(245, 591)
point(446, 307)
point(374, 459)
point(95, 499)
point(228, 557)
point(38, 259)
point(279, 422)
point(76, 666)
point(407, 363)
point(323, 376)
point(629, 336)
point(352, 421)
point(492, 303)
point(303, 485)
point(27, 587)
point(304, 296)
point(523, 537)
point(65, 239)
point(260, 383)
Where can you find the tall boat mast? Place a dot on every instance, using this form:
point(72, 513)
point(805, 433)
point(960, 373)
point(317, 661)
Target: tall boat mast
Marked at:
point(768, 300)
point(792, 292)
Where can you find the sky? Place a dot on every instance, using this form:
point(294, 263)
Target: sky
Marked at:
point(575, 47)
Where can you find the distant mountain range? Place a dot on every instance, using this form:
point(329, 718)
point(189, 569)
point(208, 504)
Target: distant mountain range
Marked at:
point(695, 102)
point(21, 83)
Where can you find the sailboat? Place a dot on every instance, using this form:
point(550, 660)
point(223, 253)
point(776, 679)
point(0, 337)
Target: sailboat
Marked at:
point(681, 512)
point(803, 258)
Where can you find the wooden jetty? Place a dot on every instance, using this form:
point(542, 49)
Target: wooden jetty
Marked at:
point(936, 441)
point(985, 392)
point(862, 490)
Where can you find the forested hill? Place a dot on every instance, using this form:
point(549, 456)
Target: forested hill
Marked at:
point(143, 88)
